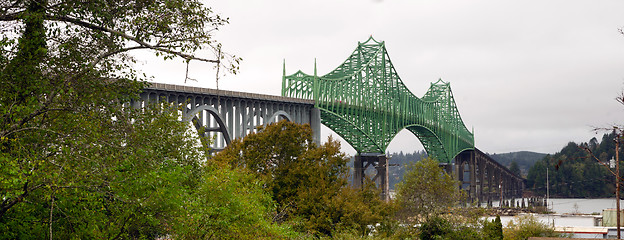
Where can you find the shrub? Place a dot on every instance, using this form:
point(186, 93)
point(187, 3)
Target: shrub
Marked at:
point(493, 230)
point(439, 228)
point(525, 226)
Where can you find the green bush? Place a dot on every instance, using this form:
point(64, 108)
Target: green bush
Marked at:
point(525, 226)
point(439, 228)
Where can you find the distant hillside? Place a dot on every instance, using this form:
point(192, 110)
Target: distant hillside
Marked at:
point(524, 159)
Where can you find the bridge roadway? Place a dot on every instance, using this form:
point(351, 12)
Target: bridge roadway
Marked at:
point(226, 115)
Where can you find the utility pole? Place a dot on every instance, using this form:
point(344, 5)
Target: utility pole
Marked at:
point(547, 188)
point(617, 181)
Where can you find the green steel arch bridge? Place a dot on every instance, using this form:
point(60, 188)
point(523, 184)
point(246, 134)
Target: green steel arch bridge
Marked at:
point(365, 102)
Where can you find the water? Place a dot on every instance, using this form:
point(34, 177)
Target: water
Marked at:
point(577, 215)
point(563, 209)
point(582, 205)
point(579, 205)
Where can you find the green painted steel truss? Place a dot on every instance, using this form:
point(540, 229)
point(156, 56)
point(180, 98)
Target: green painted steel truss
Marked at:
point(366, 103)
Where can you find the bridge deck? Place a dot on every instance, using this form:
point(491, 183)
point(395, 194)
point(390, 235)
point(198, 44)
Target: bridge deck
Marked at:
point(225, 93)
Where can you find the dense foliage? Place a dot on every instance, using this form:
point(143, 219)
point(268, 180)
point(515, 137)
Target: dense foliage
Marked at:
point(228, 204)
point(493, 229)
point(525, 226)
point(307, 182)
point(74, 161)
point(108, 179)
point(426, 191)
point(575, 170)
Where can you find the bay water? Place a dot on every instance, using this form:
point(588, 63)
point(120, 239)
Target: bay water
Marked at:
point(572, 212)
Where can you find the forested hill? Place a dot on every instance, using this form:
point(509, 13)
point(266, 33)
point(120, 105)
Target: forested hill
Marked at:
point(523, 159)
point(574, 172)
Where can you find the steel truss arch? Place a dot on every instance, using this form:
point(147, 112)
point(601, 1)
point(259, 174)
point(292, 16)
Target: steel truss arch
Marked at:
point(364, 101)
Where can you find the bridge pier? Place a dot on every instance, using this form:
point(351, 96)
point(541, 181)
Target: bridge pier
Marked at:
point(484, 179)
point(380, 162)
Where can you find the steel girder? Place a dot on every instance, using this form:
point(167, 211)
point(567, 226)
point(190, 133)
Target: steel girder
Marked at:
point(366, 103)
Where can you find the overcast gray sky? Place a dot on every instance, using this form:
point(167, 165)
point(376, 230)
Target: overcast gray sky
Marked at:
point(527, 75)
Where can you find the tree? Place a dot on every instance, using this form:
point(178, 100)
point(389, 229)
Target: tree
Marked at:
point(111, 179)
point(74, 160)
point(308, 182)
point(229, 204)
point(515, 169)
point(493, 230)
point(426, 190)
point(437, 227)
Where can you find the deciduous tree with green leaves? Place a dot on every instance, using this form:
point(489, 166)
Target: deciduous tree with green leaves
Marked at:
point(308, 182)
point(426, 190)
point(73, 161)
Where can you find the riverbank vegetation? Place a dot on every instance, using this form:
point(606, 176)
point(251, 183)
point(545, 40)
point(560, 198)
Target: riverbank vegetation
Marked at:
point(577, 171)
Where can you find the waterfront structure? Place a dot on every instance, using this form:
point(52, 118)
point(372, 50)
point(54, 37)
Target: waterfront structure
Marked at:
point(365, 102)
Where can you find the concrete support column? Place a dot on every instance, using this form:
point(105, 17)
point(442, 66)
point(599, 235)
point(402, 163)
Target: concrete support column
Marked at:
point(358, 171)
point(380, 162)
point(473, 177)
point(459, 171)
point(382, 177)
point(481, 176)
point(315, 123)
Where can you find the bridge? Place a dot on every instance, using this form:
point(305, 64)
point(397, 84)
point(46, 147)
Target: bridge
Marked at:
point(366, 103)
point(220, 116)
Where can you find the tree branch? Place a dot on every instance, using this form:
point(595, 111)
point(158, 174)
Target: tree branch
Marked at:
point(142, 43)
point(10, 17)
point(101, 57)
point(37, 112)
point(10, 202)
point(598, 160)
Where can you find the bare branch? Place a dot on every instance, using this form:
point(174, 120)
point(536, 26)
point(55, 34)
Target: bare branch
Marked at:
point(620, 98)
point(600, 162)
